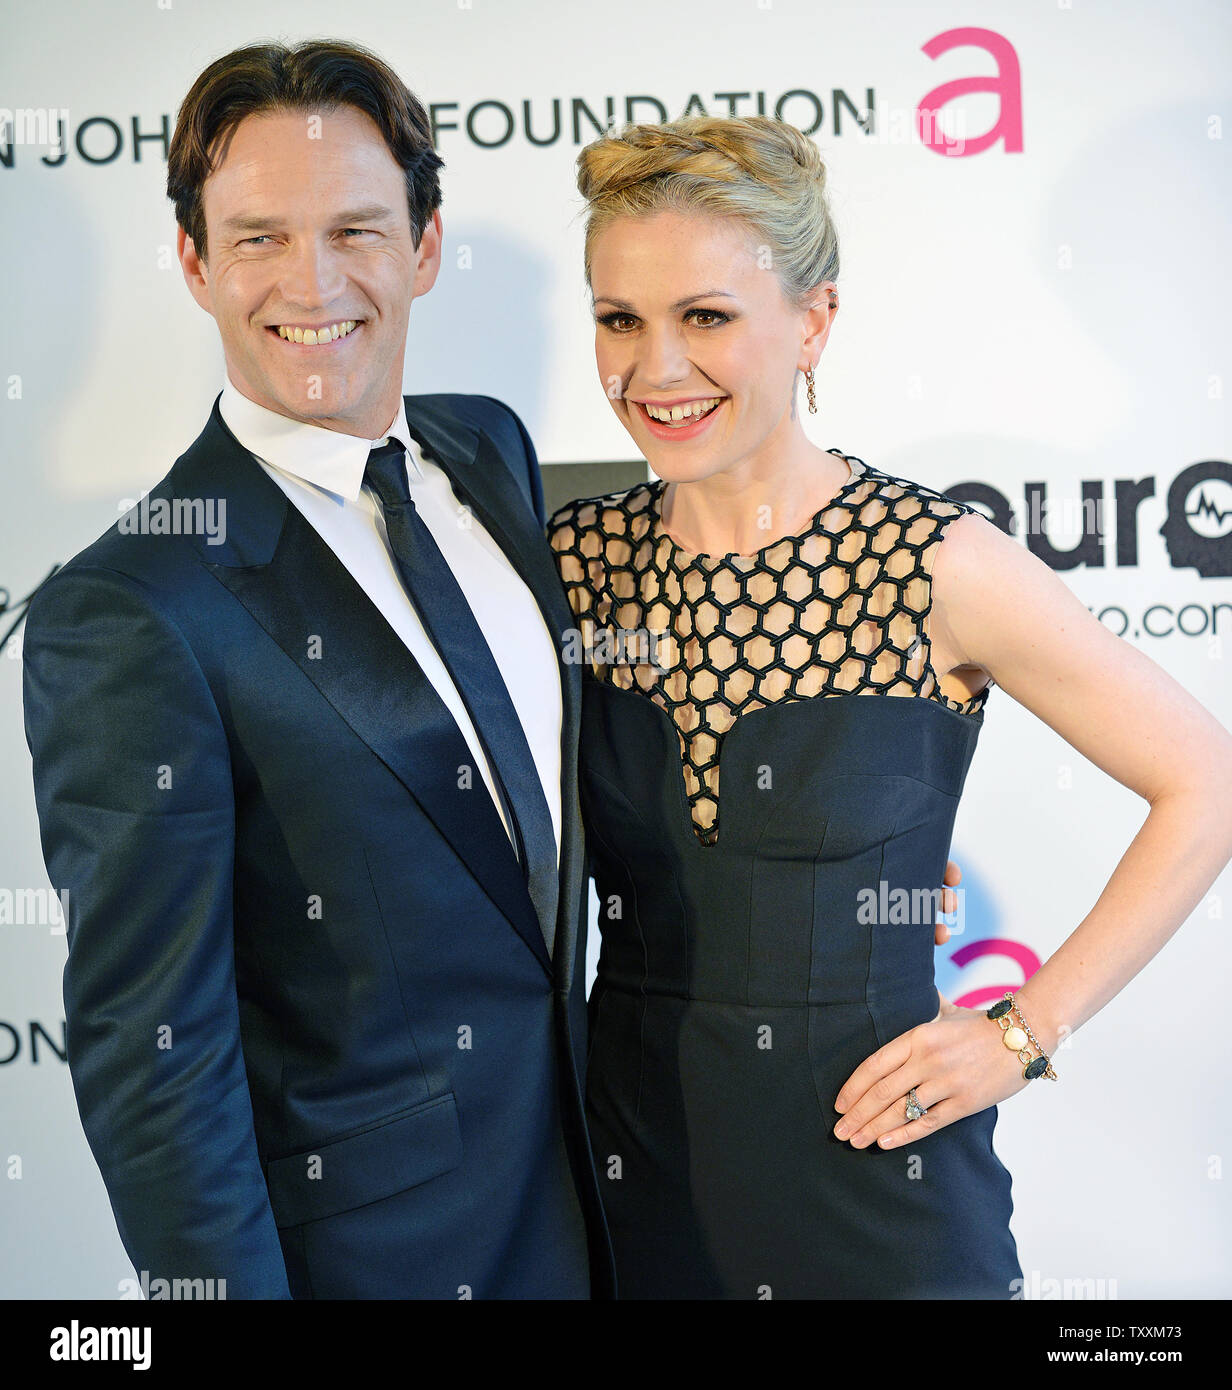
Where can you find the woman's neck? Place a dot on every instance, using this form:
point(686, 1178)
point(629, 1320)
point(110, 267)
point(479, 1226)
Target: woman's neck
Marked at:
point(745, 508)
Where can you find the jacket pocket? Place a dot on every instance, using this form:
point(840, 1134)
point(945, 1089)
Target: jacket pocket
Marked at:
point(390, 1156)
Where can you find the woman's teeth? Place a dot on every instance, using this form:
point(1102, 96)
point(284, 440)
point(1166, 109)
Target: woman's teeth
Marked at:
point(314, 336)
point(679, 415)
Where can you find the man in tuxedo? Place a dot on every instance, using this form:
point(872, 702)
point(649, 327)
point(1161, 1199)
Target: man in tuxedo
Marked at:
point(309, 774)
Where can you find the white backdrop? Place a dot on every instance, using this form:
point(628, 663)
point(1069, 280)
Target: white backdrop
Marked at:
point(1049, 315)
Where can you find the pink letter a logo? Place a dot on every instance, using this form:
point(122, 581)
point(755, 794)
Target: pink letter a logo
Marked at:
point(1007, 84)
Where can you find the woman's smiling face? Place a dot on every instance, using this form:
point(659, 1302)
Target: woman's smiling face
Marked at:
point(690, 314)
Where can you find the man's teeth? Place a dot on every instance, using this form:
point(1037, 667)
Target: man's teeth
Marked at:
point(672, 415)
point(315, 336)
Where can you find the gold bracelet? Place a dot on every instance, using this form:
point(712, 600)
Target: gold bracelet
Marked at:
point(1017, 1037)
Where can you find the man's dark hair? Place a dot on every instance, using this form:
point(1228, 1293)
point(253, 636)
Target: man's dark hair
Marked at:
point(319, 75)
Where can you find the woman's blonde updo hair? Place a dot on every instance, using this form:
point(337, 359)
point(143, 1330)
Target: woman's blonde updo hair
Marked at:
point(756, 168)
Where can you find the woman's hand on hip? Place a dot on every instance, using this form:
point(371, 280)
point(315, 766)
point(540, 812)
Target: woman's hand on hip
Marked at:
point(957, 1064)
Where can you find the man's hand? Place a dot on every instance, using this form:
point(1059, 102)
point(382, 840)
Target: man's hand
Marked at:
point(949, 900)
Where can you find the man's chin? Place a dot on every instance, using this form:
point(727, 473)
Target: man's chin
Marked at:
point(324, 402)
point(318, 394)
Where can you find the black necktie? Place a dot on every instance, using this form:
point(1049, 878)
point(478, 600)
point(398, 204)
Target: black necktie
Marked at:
point(447, 617)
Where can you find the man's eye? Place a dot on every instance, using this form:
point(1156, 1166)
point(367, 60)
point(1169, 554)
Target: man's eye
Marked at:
point(346, 231)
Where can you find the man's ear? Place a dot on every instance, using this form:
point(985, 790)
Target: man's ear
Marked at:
point(428, 256)
point(194, 269)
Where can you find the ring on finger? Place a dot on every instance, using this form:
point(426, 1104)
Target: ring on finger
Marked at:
point(915, 1110)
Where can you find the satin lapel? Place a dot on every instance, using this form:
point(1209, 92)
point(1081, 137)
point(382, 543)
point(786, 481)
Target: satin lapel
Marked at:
point(481, 479)
point(296, 587)
point(572, 852)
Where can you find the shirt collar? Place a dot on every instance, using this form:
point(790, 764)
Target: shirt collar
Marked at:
point(325, 458)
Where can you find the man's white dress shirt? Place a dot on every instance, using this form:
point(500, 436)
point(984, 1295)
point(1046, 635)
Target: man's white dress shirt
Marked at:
point(322, 472)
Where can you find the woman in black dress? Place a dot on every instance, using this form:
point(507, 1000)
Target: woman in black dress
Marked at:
point(780, 613)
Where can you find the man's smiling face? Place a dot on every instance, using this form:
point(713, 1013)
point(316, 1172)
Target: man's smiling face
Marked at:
point(308, 229)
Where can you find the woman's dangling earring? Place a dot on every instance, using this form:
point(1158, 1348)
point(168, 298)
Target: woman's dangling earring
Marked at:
point(812, 399)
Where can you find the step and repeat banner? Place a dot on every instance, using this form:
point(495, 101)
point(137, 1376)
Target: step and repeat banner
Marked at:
point(1033, 204)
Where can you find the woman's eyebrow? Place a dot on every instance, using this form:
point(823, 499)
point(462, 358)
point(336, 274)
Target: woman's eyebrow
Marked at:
point(679, 304)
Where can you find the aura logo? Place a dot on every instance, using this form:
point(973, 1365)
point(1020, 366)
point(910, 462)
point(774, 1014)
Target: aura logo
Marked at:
point(1197, 530)
point(949, 971)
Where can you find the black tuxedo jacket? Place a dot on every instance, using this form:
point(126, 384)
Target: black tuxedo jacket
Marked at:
point(315, 1035)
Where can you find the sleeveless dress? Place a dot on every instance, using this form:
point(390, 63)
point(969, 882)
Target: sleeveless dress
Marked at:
point(751, 954)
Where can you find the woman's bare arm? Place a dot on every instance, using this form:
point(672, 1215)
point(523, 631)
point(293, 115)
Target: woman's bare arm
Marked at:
point(998, 606)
